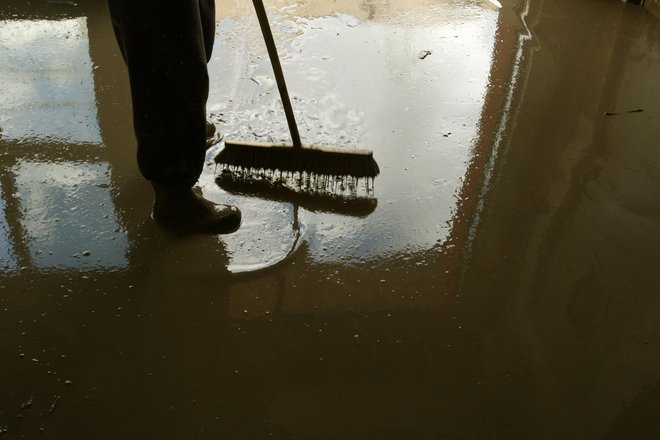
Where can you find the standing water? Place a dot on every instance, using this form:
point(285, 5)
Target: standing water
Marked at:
point(498, 279)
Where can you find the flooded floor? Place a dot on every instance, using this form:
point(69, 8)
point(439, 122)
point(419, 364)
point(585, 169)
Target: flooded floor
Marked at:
point(499, 280)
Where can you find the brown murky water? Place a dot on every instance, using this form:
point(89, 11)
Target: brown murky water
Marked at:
point(501, 281)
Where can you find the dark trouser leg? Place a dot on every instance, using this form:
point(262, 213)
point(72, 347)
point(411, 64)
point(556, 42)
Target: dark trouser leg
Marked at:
point(166, 45)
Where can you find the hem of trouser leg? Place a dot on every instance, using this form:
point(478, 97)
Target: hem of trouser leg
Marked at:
point(171, 185)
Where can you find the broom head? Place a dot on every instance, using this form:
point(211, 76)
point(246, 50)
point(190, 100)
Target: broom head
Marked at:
point(284, 157)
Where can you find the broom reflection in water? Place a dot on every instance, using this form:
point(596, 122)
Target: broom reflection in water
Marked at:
point(341, 195)
point(344, 195)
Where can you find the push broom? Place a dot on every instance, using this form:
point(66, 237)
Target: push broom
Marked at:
point(293, 157)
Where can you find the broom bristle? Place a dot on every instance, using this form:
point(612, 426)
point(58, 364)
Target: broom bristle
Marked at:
point(310, 158)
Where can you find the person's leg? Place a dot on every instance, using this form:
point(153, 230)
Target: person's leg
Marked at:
point(207, 16)
point(163, 46)
point(166, 45)
point(207, 12)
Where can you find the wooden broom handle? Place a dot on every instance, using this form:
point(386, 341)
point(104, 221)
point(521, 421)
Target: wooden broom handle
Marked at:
point(277, 69)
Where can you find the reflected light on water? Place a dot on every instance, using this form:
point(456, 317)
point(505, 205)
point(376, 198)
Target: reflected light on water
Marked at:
point(358, 82)
point(47, 88)
point(57, 210)
point(68, 217)
point(7, 257)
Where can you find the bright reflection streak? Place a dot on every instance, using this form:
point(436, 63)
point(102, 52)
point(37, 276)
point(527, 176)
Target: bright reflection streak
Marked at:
point(47, 91)
point(7, 258)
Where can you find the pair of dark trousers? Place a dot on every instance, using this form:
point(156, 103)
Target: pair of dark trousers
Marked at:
point(166, 45)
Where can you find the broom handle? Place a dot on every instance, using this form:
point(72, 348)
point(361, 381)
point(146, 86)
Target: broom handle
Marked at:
point(277, 69)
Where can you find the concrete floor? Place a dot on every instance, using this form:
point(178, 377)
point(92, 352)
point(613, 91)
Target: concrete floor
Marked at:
point(500, 280)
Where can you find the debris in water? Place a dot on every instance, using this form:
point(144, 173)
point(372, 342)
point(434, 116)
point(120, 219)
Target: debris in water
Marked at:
point(637, 110)
point(52, 406)
point(28, 404)
point(423, 54)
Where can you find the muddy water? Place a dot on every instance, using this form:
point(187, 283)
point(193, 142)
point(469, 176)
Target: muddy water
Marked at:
point(500, 279)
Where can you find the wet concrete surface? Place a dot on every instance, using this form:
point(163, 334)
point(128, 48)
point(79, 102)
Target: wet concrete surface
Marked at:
point(499, 281)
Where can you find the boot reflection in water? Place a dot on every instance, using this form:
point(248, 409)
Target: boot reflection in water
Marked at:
point(166, 47)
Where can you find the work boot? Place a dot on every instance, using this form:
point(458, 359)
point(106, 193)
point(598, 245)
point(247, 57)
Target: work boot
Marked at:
point(212, 135)
point(179, 206)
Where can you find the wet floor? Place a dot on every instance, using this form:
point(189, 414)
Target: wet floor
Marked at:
point(499, 279)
